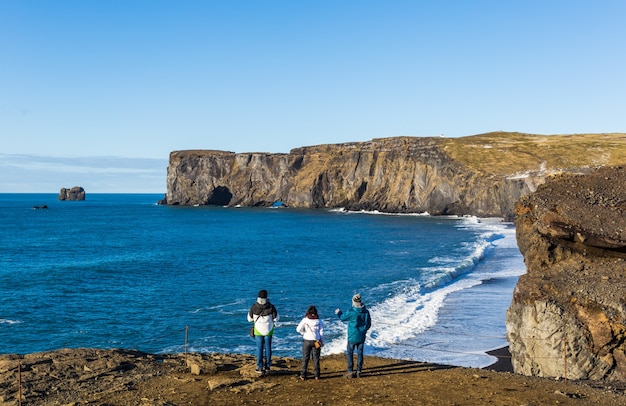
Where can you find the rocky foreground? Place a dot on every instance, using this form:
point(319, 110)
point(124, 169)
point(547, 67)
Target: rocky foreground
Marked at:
point(125, 377)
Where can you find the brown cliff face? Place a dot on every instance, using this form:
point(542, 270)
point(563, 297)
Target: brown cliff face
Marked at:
point(480, 175)
point(568, 314)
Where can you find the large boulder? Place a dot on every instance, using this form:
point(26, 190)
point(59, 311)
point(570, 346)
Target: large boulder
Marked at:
point(568, 313)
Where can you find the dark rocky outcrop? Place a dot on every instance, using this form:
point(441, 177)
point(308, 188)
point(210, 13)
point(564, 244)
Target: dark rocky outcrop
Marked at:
point(568, 313)
point(482, 175)
point(75, 193)
point(162, 201)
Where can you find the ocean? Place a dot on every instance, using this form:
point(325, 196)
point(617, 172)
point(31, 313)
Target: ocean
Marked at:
point(120, 271)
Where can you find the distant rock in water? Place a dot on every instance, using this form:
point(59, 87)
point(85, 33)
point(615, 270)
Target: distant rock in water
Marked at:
point(162, 201)
point(75, 193)
point(568, 313)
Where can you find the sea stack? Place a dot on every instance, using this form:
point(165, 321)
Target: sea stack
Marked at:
point(75, 193)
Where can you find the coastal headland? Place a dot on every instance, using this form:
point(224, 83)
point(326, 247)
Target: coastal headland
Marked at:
point(481, 175)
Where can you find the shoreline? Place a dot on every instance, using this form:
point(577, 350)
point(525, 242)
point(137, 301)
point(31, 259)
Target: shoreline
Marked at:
point(503, 364)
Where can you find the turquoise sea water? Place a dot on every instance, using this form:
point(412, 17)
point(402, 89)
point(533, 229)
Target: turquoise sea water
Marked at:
point(119, 271)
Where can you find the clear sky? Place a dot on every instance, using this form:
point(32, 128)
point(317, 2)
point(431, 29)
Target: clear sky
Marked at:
point(139, 79)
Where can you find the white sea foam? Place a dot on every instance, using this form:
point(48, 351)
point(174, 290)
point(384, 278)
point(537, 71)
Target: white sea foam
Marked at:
point(412, 308)
point(225, 308)
point(405, 315)
point(375, 212)
point(8, 321)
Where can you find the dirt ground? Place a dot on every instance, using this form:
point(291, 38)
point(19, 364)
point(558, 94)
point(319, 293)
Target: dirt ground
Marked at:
point(117, 377)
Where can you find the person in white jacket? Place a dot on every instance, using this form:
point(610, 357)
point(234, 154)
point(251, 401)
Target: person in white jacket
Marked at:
point(312, 330)
point(264, 316)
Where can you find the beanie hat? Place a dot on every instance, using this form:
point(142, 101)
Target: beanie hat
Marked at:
point(263, 294)
point(356, 301)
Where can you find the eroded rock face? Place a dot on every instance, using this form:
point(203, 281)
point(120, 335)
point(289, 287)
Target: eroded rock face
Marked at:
point(568, 313)
point(75, 193)
point(401, 174)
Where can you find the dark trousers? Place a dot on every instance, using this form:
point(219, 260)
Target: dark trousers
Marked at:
point(308, 350)
point(352, 348)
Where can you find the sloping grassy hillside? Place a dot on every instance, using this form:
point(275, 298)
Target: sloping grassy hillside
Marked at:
point(503, 153)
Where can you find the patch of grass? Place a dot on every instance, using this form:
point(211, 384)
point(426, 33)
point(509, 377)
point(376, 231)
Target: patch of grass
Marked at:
point(503, 153)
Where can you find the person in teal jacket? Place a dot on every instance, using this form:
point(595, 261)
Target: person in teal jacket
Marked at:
point(359, 321)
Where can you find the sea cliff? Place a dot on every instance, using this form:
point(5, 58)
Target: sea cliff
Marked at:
point(482, 175)
point(568, 313)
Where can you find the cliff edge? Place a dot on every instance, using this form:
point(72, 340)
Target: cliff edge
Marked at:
point(482, 175)
point(568, 313)
point(84, 376)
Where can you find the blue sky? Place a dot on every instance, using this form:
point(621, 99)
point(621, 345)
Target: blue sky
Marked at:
point(124, 83)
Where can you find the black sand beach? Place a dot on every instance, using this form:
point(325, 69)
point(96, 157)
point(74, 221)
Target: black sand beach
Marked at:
point(503, 364)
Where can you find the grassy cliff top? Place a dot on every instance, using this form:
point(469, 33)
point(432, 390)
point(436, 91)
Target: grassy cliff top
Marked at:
point(497, 153)
point(503, 153)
